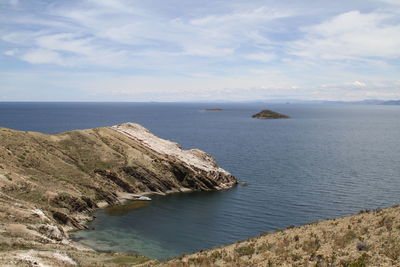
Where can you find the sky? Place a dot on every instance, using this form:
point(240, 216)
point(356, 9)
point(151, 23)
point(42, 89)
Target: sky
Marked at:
point(186, 50)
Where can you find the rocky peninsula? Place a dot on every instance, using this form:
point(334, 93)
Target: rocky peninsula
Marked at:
point(49, 184)
point(269, 114)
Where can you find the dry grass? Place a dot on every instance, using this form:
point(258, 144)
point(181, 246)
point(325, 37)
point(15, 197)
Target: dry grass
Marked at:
point(370, 238)
point(58, 179)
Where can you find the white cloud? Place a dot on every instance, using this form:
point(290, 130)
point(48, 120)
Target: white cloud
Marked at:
point(263, 57)
point(352, 35)
point(116, 5)
point(233, 49)
point(20, 37)
point(11, 52)
point(65, 49)
point(241, 18)
point(42, 56)
point(358, 84)
point(123, 34)
point(66, 42)
point(356, 90)
point(211, 35)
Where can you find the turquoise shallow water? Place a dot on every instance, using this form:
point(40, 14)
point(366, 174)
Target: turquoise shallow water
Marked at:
point(326, 161)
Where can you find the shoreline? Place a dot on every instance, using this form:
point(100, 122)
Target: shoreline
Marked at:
point(366, 238)
point(52, 183)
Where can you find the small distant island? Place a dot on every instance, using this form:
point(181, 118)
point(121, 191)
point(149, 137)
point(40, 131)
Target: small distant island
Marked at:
point(214, 109)
point(269, 114)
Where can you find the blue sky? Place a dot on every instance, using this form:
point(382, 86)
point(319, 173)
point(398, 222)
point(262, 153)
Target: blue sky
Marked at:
point(170, 50)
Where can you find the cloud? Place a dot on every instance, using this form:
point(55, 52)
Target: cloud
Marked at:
point(97, 27)
point(42, 56)
point(351, 35)
point(356, 90)
point(10, 53)
point(66, 42)
point(392, 2)
point(9, 2)
point(263, 57)
point(64, 49)
point(358, 84)
point(252, 17)
point(189, 50)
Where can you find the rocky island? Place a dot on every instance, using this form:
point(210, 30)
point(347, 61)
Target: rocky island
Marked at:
point(269, 114)
point(49, 184)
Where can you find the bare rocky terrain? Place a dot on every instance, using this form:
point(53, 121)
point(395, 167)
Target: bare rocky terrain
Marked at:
point(49, 184)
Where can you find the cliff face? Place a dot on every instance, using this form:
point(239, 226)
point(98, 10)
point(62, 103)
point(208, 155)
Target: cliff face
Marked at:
point(204, 174)
point(50, 182)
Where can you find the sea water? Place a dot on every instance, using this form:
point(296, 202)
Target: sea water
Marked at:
point(325, 161)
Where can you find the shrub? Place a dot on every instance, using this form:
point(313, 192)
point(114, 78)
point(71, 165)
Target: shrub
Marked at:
point(391, 248)
point(245, 250)
point(216, 255)
point(264, 247)
point(386, 221)
point(362, 261)
point(362, 246)
point(342, 241)
point(312, 245)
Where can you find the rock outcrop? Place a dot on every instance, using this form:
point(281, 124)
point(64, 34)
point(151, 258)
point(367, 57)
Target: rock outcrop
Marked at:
point(269, 114)
point(199, 166)
point(50, 183)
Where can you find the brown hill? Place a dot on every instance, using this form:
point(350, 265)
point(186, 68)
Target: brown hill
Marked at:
point(50, 183)
point(370, 238)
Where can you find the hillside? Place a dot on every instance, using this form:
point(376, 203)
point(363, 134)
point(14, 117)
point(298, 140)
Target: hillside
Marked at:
point(49, 184)
point(370, 238)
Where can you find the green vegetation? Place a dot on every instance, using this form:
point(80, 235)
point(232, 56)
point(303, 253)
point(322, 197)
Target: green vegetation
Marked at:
point(362, 261)
point(127, 260)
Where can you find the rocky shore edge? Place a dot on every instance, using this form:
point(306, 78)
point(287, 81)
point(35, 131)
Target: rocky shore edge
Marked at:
point(369, 238)
point(50, 185)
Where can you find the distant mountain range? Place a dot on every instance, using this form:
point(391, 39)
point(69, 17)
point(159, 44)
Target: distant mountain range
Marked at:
point(367, 102)
point(362, 102)
point(391, 102)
